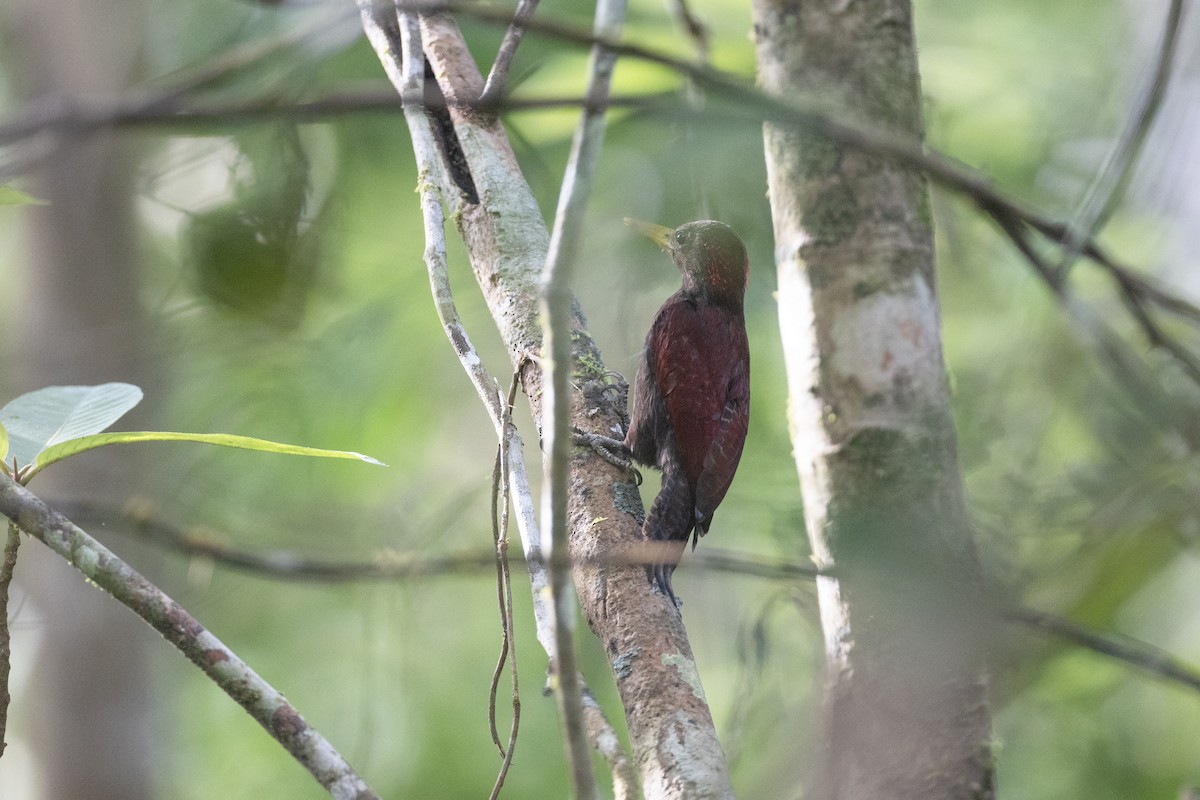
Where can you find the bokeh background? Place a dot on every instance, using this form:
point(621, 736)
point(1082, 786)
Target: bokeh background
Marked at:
point(264, 277)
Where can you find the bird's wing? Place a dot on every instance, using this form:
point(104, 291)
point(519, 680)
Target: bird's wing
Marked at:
point(648, 425)
point(721, 460)
point(692, 362)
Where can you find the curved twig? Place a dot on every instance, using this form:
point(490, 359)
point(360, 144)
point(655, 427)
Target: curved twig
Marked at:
point(7, 564)
point(1142, 655)
point(261, 700)
point(1101, 197)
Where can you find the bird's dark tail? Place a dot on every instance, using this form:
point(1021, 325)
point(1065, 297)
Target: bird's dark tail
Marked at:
point(670, 521)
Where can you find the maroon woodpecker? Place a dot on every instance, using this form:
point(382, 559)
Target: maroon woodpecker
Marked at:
point(691, 404)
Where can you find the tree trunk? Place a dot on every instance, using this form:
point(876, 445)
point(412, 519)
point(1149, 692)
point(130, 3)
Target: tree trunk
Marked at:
point(91, 704)
point(670, 727)
point(906, 711)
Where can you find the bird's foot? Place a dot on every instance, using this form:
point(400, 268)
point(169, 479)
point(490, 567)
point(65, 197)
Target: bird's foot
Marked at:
point(606, 394)
point(660, 581)
point(611, 450)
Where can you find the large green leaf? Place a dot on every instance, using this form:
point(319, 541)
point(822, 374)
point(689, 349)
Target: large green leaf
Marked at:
point(46, 417)
point(3, 443)
point(69, 448)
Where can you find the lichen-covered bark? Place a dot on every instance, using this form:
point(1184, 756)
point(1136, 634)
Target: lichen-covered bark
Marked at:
point(906, 711)
point(670, 727)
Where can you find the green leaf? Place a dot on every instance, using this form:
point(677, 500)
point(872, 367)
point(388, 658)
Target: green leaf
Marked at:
point(15, 197)
point(69, 448)
point(3, 443)
point(46, 417)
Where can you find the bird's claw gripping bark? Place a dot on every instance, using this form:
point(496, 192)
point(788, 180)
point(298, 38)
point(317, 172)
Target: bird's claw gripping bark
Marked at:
point(611, 450)
point(660, 581)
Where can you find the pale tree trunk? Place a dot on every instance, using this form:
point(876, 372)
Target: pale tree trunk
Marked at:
point(670, 727)
point(89, 710)
point(906, 712)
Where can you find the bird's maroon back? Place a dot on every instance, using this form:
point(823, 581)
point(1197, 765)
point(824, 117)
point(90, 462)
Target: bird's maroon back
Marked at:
point(695, 390)
point(704, 374)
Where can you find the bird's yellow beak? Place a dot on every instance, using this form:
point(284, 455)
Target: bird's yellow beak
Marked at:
point(660, 235)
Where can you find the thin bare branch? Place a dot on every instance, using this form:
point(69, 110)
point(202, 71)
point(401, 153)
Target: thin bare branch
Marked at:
point(171, 108)
point(556, 310)
point(1102, 196)
point(1145, 657)
point(752, 646)
point(1143, 286)
point(411, 84)
point(7, 565)
point(395, 566)
point(283, 565)
point(78, 116)
point(1158, 337)
point(46, 115)
point(693, 26)
point(1137, 294)
point(495, 87)
point(608, 745)
point(501, 498)
point(234, 676)
point(950, 173)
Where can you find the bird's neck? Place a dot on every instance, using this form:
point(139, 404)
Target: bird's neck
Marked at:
point(715, 294)
point(720, 279)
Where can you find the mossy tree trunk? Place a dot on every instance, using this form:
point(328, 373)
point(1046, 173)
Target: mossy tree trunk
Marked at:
point(874, 440)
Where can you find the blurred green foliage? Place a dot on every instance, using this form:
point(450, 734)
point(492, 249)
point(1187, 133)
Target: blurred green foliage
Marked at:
point(288, 299)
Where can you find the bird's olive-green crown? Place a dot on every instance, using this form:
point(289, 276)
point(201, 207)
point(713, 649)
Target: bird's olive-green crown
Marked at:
point(710, 257)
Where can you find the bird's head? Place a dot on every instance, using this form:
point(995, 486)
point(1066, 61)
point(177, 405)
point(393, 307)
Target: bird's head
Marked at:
point(710, 257)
